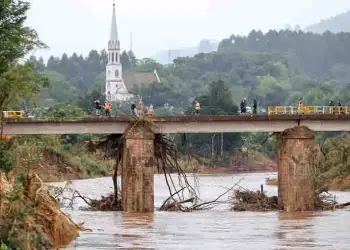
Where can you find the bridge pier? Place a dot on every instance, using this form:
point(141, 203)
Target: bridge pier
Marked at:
point(296, 170)
point(138, 170)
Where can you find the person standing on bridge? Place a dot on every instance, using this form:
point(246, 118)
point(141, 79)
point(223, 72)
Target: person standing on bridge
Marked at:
point(300, 106)
point(108, 107)
point(97, 106)
point(244, 106)
point(197, 107)
point(331, 107)
point(133, 110)
point(340, 109)
point(255, 107)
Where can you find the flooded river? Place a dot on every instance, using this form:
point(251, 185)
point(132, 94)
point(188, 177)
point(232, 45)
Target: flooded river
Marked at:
point(215, 229)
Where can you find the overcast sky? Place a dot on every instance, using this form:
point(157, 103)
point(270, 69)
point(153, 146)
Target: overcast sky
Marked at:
point(81, 25)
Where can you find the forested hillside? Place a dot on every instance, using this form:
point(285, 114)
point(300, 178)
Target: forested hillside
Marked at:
point(336, 24)
point(276, 68)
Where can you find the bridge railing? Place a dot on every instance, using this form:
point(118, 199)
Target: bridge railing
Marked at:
point(12, 114)
point(309, 110)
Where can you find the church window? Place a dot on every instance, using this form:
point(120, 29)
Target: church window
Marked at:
point(116, 73)
point(116, 57)
point(108, 85)
point(112, 57)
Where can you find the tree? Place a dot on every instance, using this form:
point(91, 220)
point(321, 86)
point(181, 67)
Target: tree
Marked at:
point(16, 39)
point(125, 61)
point(61, 110)
point(132, 58)
point(19, 82)
point(220, 97)
point(61, 88)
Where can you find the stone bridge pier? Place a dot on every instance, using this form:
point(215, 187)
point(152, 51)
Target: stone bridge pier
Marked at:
point(296, 170)
point(138, 170)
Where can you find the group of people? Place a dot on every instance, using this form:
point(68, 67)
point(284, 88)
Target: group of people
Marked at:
point(136, 110)
point(106, 107)
point(197, 106)
point(140, 109)
point(244, 106)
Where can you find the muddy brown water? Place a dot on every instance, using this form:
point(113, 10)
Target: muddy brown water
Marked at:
point(215, 229)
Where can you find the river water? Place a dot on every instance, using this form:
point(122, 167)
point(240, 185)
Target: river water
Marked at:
point(215, 229)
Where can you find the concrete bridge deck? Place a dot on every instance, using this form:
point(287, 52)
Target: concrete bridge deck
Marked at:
point(178, 124)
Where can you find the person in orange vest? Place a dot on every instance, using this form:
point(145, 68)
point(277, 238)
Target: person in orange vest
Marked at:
point(197, 107)
point(300, 106)
point(108, 107)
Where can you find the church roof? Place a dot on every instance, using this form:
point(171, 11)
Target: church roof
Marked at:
point(114, 30)
point(131, 79)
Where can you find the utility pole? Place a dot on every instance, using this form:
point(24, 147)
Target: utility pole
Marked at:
point(169, 55)
point(131, 41)
point(212, 146)
point(222, 146)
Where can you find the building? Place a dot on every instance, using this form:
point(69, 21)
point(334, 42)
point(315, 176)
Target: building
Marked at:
point(119, 84)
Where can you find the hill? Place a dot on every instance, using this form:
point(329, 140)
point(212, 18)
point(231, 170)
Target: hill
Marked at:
point(167, 56)
point(336, 24)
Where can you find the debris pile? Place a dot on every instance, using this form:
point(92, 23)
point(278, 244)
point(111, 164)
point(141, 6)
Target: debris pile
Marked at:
point(108, 203)
point(31, 218)
point(246, 200)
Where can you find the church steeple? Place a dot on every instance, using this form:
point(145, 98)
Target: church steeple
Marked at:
point(114, 43)
point(115, 87)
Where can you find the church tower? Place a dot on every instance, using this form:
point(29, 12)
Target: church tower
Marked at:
point(115, 87)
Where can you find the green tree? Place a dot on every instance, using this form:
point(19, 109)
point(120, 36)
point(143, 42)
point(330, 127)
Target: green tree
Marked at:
point(20, 82)
point(16, 39)
point(132, 58)
point(61, 110)
point(220, 96)
point(125, 61)
point(61, 88)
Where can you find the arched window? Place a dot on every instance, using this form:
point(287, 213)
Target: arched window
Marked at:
point(116, 73)
point(112, 57)
point(116, 56)
point(108, 85)
point(109, 57)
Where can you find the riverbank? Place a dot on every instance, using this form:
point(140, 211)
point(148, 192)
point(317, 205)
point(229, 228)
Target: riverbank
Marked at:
point(336, 184)
point(54, 167)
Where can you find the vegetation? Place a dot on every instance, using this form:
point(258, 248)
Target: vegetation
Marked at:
point(30, 218)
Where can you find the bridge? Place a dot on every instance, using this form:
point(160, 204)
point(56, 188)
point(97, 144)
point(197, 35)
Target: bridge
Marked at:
point(295, 156)
point(178, 124)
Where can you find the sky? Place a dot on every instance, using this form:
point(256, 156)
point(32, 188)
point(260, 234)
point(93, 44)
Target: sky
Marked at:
point(69, 26)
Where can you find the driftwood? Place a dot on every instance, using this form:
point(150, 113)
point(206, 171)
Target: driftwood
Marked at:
point(247, 200)
point(166, 156)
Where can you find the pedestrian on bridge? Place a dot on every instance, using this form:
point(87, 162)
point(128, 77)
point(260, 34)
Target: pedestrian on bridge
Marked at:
point(244, 106)
point(300, 106)
point(255, 107)
point(197, 107)
point(133, 110)
point(97, 106)
point(340, 109)
point(108, 107)
point(331, 107)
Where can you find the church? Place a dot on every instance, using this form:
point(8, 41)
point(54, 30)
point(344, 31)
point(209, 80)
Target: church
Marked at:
point(119, 84)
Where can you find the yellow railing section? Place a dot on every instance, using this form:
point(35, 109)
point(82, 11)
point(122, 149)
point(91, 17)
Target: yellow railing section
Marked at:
point(13, 114)
point(307, 110)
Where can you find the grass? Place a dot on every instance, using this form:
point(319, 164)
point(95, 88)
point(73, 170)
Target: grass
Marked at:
point(57, 160)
